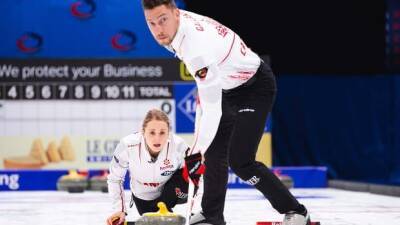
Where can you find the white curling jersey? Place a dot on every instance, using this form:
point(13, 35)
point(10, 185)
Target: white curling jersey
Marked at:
point(147, 175)
point(201, 42)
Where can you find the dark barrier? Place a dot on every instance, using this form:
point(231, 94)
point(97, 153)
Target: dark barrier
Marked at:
point(351, 124)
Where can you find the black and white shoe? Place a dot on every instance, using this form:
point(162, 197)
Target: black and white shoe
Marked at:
point(295, 218)
point(200, 219)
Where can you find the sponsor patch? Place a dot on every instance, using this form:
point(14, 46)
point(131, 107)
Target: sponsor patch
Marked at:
point(246, 110)
point(167, 173)
point(180, 194)
point(166, 167)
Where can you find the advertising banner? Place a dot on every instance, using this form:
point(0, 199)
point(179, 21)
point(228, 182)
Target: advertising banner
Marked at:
point(91, 70)
point(70, 134)
point(19, 180)
point(185, 99)
point(68, 152)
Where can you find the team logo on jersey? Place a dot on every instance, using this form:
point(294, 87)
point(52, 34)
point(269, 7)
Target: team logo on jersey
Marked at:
point(166, 162)
point(167, 173)
point(202, 73)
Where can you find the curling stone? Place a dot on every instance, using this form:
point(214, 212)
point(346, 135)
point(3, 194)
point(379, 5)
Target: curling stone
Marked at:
point(73, 182)
point(99, 182)
point(162, 217)
point(286, 180)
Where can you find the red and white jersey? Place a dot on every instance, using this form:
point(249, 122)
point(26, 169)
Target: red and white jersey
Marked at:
point(201, 42)
point(147, 175)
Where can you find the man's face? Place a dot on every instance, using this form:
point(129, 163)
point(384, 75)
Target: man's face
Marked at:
point(163, 22)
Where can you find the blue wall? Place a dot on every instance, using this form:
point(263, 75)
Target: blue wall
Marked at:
point(351, 124)
point(75, 29)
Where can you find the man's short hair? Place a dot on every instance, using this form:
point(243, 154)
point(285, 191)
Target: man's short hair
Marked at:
point(150, 4)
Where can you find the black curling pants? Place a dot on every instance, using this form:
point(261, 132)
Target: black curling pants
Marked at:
point(244, 114)
point(174, 192)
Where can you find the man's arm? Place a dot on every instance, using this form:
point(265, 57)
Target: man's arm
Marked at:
point(210, 94)
point(210, 97)
point(198, 113)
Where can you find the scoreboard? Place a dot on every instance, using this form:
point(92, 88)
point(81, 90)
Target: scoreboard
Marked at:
point(81, 91)
point(84, 79)
point(101, 97)
point(88, 79)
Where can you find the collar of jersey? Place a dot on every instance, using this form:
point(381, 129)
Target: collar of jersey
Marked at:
point(148, 157)
point(175, 44)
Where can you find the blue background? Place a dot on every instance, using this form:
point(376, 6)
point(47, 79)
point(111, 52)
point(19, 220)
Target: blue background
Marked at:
point(67, 36)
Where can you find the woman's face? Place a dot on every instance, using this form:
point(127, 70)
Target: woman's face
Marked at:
point(156, 134)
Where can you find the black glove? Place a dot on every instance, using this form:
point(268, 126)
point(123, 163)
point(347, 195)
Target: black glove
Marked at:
point(193, 168)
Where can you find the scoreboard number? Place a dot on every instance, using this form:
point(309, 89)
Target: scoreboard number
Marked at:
point(29, 92)
point(46, 92)
point(62, 91)
point(128, 92)
point(95, 92)
point(79, 92)
point(111, 92)
point(12, 92)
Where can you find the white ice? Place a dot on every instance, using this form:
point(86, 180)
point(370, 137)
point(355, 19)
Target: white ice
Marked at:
point(243, 207)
